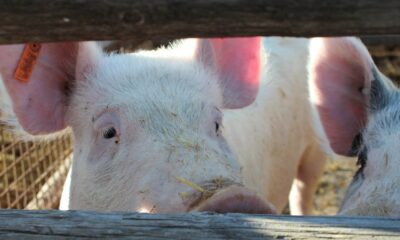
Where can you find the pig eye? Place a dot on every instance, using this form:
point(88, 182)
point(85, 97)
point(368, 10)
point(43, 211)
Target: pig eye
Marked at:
point(362, 158)
point(218, 128)
point(217, 118)
point(356, 145)
point(362, 162)
point(109, 133)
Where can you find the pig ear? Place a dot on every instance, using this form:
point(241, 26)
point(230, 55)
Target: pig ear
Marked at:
point(40, 103)
point(341, 73)
point(237, 63)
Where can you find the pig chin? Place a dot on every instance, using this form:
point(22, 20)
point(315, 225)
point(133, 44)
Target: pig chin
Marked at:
point(370, 202)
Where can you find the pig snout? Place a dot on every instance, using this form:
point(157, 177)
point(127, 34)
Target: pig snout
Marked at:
point(235, 199)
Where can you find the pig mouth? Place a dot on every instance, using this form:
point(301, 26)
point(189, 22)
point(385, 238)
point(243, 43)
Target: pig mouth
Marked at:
point(228, 196)
point(207, 190)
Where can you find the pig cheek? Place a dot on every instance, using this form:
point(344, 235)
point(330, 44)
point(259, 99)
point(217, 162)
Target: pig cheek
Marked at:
point(376, 169)
point(152, 174)
point(159, 190)
point(353, 195)
point(223, 145)
point(103, 150)
point(100, 160)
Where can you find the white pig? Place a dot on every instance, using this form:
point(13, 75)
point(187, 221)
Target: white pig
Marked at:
point(359, 109)
point(226, 128)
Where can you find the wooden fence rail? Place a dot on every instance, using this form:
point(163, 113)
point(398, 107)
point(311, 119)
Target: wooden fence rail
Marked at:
point(61, 20)
point(387, 40)
point(83, 225)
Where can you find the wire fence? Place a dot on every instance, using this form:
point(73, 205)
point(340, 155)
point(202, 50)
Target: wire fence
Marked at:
point(32, 173)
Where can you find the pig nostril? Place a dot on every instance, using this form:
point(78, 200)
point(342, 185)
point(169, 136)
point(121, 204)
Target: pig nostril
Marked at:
point(236, 199)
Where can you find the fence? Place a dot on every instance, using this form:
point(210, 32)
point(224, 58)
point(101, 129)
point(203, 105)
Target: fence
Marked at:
point(84, 225)
point(32, 173)
point(64, 20)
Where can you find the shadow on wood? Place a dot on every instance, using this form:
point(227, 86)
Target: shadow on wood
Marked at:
point(79, 224)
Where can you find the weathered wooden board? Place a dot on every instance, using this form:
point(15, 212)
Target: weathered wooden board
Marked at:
point(385, 40)
point(16, 224)
point(60, 20)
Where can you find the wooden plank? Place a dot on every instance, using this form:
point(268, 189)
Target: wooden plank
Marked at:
point(61, 20)
point(22, 224)
point(387, 40)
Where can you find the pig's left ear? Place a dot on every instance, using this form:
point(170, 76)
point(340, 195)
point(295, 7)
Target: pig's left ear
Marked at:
point(237, 63)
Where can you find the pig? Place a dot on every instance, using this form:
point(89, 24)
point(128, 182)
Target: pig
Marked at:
point(218, 125)
point(6, 113)
point(357, 111)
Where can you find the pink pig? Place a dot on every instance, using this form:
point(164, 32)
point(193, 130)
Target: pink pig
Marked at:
point(225, 128)
point(357, 110)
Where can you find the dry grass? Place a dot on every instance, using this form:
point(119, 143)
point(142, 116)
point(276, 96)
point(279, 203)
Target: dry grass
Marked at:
point(388, 61)
point(332, 186)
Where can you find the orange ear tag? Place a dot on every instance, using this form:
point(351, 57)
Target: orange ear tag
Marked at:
point(27, 62)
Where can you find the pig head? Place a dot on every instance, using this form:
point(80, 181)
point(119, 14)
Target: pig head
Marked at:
point(147, 129)
point(359, 109)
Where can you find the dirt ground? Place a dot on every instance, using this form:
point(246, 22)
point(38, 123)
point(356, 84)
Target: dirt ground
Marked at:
point(332, 186)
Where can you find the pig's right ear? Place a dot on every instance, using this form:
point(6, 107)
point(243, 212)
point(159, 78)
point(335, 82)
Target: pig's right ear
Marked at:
point(237, 62)
point(40, 104)
point(344, 84)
